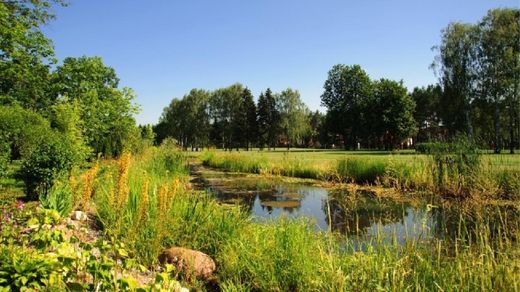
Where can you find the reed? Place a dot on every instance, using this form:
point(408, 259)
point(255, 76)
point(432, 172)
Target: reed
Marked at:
point(161, 211)
point(454, 170)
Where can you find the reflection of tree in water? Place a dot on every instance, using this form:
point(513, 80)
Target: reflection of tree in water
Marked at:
point(246, 191)
point(471, 222)
point(354, 214)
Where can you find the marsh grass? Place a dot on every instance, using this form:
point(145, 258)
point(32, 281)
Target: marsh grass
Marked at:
point(144, 202)
point(454, 170)
point(161, 211)
point(290, 255)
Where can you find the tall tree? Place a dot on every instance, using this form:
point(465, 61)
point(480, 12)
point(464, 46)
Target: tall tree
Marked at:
point(268, 119)
point(459, 76)
point(107, 111)
point(246, 127)
point(426, 112)
point(25, 53)
point(499, 58)
point(294, 122)
point(224, 109)
point(187, 120)
point(316, 122)
point(346, 91)
point(263, 120)
point(395, 114)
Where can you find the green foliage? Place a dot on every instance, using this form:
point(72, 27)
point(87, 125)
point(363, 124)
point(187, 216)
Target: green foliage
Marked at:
point(66, 118)
point(245, 125)
point(294, 114)
point(226, 105)
point(426, 113)
point(36, 255)
point(455, 165)
point(426, 147)
point(59, 198)
point(22, 129)
point(22, 269)
point(361, 170)
point(25, 53)
point(51, 159)
point(186, 120)
point(392, 112)
point(478, 65)
point(346, 92)
point(5, 157)
point(378, 114)
point(106, 111)
point(268, 119)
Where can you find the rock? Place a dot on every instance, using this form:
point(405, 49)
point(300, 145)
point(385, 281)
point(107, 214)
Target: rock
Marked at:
point(189, 262)
point(79, 216)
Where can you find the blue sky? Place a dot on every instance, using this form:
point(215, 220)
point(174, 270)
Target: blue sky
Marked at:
point(164, 48)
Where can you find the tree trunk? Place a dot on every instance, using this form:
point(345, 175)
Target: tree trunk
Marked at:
point(511, 129)
point(496, 121)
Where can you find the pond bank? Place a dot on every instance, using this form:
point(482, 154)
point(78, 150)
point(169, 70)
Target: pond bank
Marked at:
point(362, 213)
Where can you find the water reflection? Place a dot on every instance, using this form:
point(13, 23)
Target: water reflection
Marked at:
point(359, 214)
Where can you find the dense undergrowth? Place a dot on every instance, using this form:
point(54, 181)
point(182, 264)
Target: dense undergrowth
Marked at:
point(39, 251)
point(148, 205)
point(144, 204)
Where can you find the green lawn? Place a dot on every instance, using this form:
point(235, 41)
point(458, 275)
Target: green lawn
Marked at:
point(328, 158)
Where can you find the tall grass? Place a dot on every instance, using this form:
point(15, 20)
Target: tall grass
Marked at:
point(290, 256)
point(144, 202)
point(159, 210)
point(452, 170)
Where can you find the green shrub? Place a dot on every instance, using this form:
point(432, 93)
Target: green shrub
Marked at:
point(59, 198)
point(21, 269)
point(455, 165)
point(5, 157)
point(21, 128)
point(427, 147)
point(51, 159)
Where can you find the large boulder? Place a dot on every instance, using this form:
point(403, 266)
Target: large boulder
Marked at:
point(189, 262)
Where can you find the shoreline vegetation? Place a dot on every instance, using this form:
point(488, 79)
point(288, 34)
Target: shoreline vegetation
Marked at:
point(92, 201)
point(495, 177)
point(146, 202)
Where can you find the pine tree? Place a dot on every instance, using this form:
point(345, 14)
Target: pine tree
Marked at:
point(263, 120)
point(273, 121)
point(249, 110)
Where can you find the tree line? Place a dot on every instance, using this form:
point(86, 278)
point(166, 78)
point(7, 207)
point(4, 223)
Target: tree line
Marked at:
point(479, 70)
point(478, 66)
point(229, 118)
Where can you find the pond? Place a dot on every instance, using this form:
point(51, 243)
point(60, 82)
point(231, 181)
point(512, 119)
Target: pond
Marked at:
point(361, 214)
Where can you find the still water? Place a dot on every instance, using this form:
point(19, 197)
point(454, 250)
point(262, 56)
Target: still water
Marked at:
point(358, 214)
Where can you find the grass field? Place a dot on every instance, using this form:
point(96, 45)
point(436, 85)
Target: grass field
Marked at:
point(494, 175)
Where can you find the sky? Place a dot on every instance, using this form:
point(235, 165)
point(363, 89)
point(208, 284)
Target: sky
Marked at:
point(164, 48)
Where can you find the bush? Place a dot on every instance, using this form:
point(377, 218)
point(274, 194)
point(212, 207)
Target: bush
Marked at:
point(51, 159)
point(59, 198)
point(5, 157)
point(21, 129)
point(427, 147)
point(455, 165)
